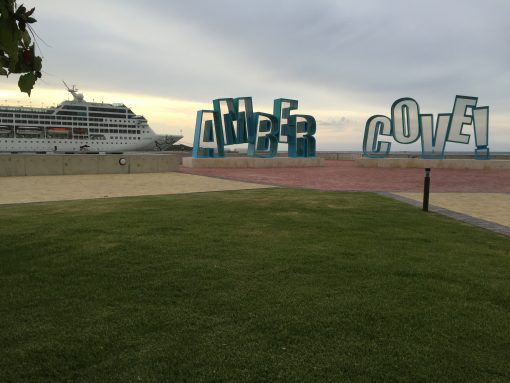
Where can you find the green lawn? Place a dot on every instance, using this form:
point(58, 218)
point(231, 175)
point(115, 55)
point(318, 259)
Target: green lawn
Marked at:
point(269, 285)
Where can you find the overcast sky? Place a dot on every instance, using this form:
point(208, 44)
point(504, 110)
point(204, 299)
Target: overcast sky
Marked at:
point(343, 60)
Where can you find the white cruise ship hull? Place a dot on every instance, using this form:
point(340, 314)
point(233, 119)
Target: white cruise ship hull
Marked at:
point(78, 126)
point(16, 145)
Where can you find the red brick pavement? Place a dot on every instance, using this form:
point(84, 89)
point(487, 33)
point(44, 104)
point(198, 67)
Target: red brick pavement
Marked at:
point(344, 175)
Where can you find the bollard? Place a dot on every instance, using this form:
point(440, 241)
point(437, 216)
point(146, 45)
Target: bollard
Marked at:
point(426, 190)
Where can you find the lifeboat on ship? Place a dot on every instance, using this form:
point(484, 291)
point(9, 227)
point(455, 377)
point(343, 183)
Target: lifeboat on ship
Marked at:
point(59, 131)
point(80, 131)
point(5, 130)
point(28, 130)
point(63, 133)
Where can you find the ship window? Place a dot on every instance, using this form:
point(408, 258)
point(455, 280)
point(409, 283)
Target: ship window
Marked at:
point(95, 109)
point(106, 115)
point(66, 113)
point(74, 107)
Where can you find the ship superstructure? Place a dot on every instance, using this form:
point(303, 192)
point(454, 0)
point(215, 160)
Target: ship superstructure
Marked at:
point(78, 126)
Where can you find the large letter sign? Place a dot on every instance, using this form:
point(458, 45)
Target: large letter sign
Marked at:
point(408, 125)
point(233, 122)
point(373, 146)
point(207, 137)
point(264, 143)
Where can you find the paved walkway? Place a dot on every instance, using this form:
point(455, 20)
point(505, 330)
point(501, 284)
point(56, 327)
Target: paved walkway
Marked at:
point(489, 216)
point(481, 194)
point(345, 176)
point(58, 188)
point(493, 207)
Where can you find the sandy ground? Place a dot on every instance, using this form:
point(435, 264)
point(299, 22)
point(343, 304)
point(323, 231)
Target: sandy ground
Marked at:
point(58, 188)
point(458, 191)
point(493, 207)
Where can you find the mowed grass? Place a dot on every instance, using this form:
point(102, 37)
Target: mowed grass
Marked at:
point(251, 286)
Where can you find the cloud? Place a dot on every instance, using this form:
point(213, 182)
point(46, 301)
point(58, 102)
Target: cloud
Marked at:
point(350, 58)
point(341, 122)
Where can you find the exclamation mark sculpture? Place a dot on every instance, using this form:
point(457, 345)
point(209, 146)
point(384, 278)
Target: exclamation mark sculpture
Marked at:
point(481, 128)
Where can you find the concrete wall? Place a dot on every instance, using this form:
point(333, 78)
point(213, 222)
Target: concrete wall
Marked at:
point(351, 156)
point(180, 155)
point(251, 162)
point(65, 164)
point(343, 156)
point(339, 156)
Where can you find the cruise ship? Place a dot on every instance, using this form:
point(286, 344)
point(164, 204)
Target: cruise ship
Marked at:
point(78, 126)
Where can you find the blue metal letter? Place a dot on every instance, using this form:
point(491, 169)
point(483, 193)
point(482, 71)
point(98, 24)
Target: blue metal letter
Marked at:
point(264, 141)
point(433, 141)
point(405, 120)
point(481, 124)
point(233, 118)
point(375, 126)
point(207, 136)
point(281, 110)
point(460, 118)
point(301, 136)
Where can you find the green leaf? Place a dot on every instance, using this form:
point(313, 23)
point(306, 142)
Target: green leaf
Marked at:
point(10, 37)
point(37, 63)
point(17, 51)
point(21, 10)
point(26, 82)
point(6, 8)
point(4, 61)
